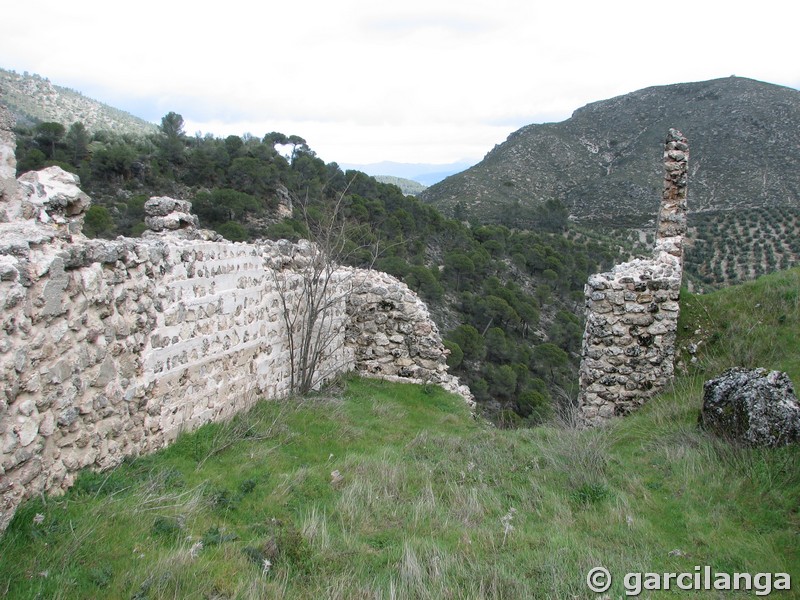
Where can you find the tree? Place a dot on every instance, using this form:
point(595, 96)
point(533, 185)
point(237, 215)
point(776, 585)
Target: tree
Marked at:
point(552, 216)
point(422, 279)
point(470, 341)
point(298, 145)
point(113, 160)
point(233, 231)
point(222, 205)
point(460, 211)
point(496, 311)
point(98, 222)
point(549, 359)
point(533, 405)
point(77, 143)
point(497, 346)
point(456, 355)
point(233, 144)
point(48, 135)
point(502, 380)
point(252, 176)
point(172, 142)
point(172, 125)
point(458, 265)
point(276, 138)
point(34, 159)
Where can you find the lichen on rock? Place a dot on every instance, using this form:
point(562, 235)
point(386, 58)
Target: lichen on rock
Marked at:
point(752, 406)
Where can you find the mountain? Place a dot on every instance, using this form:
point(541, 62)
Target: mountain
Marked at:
point(424, 173)
point(605, 162)
point(605, 165)
point(32, 99)
point(408, 186)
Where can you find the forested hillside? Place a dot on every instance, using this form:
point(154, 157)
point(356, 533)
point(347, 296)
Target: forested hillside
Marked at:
point(509, 302)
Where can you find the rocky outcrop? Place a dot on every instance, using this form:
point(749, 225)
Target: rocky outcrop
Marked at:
point(112, 348)
point(753, 407)
point(632, 311)
point(167, 214)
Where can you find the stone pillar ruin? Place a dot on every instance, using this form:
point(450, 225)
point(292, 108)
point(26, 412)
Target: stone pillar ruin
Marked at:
point(671, 226)
point(632, 311)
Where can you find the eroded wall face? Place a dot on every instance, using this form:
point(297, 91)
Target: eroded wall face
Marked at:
point(111, 350)
point(632, 311)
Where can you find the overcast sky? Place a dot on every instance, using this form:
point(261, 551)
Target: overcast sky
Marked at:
point(429, 81)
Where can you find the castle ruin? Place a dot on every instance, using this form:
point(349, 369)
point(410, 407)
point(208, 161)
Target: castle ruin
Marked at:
point(627, 356)
point(112, 348)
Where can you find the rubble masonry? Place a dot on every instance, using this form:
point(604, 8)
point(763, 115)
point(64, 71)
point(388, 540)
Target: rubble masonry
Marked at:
point(632, 311)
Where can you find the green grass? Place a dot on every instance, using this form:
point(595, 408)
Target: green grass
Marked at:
point(752, 325)
point(426, 501)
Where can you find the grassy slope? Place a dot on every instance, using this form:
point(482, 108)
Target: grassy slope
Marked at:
point(423, 508)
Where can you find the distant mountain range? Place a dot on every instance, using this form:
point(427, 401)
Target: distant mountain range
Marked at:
point(603, 164)
point(32, 99)
point(424, 173)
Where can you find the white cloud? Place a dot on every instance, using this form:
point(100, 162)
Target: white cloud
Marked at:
point(421, 81)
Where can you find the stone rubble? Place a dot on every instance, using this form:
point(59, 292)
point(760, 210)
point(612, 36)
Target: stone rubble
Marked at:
point(112, 348)
point(628, 349)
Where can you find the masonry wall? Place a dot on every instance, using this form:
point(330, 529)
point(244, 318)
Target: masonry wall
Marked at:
point(632, 311)
point(110, 349)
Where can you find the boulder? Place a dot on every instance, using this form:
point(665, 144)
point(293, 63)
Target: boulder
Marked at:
point(165, 216)
point(161, 206)
point(752, 406)
point(53, 195)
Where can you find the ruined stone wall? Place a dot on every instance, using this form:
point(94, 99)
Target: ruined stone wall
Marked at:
point(632, 311)
point(393, 336)
point(111, 348)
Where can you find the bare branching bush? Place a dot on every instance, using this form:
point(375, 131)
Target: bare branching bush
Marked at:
point(313, 291)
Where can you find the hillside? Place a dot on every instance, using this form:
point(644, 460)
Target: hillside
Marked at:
point(407, 186)
point(33, 99)
point(379, 490)
point(605, 162)
point(604, 165)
